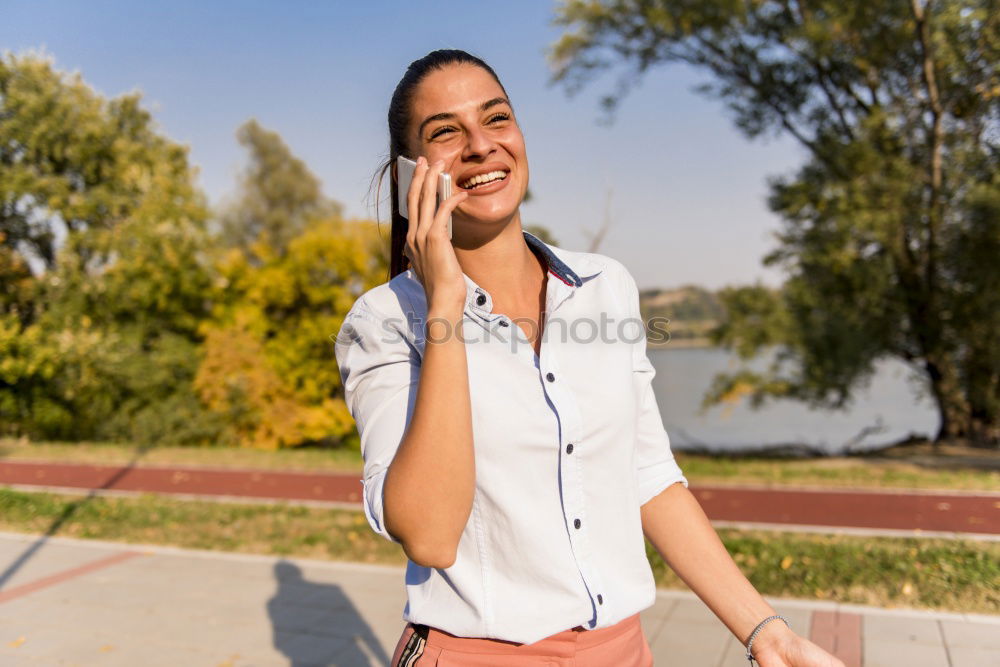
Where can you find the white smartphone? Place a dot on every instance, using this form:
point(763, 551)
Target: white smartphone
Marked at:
point(404, 171)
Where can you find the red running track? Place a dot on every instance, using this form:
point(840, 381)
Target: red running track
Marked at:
point(190, 480)
point(967, 513)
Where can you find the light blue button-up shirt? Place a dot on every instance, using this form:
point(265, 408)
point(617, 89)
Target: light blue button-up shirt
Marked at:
point(568, 446)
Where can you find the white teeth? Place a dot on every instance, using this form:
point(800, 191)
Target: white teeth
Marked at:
point(483, 178)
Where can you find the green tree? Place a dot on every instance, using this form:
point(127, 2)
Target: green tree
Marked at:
point(70, 158)
point(102, 343)
point(278, 194)
point(891, 229)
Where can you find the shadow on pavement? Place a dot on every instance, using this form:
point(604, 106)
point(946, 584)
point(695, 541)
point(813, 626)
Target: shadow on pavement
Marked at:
point(71, 509)
point(317, 624)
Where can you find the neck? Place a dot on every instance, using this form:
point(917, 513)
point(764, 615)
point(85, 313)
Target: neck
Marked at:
point(503, 264)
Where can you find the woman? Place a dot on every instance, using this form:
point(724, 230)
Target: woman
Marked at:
point(518, 472)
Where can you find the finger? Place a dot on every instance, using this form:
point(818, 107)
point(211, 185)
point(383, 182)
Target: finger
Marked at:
point(413, 200)
point(413, 195)
point(428, 201)
point(447, 207)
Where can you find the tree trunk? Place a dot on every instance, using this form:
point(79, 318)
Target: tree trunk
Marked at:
point(960, 420)
point(951, 402)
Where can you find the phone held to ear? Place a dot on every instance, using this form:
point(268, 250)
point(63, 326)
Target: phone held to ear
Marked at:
point(404, 171)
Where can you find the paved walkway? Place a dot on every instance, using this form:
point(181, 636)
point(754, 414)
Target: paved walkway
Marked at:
point(79, 602)
point(967, 513)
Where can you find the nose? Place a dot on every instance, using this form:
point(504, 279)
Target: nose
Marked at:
point(478, 144)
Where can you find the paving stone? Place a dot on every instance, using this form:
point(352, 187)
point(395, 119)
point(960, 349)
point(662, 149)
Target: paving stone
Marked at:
point(965, 656)
point(177, 607)
point(920, 631)
point(879, 653)
point(973, 635)
point(682, 642)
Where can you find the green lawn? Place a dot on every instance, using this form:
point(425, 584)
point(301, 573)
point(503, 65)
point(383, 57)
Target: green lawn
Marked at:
point(956, 575)
point(838, 472)
point(857, 472)
point(329, 460)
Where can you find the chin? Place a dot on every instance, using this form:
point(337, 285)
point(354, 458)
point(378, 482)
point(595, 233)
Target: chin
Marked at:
point(484, 220)
point(488, 215)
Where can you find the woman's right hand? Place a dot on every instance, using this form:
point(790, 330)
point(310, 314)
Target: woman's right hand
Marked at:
point(428, 247)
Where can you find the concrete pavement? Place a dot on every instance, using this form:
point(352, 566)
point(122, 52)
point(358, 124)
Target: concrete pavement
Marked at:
point(79, 602)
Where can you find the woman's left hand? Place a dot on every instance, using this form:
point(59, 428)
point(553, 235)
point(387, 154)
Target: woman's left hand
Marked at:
point(791, 650)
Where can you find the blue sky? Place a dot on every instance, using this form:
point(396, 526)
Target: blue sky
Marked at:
point(687, 190)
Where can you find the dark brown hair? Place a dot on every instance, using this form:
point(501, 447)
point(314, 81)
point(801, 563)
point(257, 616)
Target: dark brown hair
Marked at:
point(399, 120)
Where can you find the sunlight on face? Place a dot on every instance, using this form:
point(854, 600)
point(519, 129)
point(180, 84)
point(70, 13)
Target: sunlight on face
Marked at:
point(462, 116)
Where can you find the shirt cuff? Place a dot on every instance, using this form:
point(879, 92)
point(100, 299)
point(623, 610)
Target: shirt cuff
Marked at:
point(373, 497)
point(656, 478)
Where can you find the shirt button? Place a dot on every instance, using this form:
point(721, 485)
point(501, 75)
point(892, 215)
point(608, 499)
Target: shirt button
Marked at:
point(481, 299)
point(550, 377)
point(569, 448)
point(600, 599)
point(576, 523)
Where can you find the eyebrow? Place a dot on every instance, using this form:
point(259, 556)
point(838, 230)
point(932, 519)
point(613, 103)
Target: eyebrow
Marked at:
point(448, 116)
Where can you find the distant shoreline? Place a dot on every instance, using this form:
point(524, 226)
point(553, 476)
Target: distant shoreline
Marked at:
point(681, 342)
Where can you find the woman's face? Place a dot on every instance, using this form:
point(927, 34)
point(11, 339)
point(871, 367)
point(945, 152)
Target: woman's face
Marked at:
point(461, 115)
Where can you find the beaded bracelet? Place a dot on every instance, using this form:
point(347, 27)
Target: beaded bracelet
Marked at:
point(756, 630)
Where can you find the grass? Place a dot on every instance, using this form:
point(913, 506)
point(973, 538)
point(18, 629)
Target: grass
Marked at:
point(942, 473)
point(306, 459)
point(955, 575)
point(837, 472)
point(283, 530)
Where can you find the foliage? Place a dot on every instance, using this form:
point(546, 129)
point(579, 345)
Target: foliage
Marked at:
point(143, 324)
point(269, 364)
point(278, 195)
point(71, 158)
point(269, 367)
point(892, 226)
point(102, 343)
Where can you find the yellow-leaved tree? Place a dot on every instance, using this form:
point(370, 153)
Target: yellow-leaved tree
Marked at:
point(292, 269)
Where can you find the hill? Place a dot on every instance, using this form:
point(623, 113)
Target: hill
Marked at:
point(691, 312)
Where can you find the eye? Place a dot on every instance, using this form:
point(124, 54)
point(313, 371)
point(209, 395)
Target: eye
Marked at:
point(498, 117)
point(441, 130)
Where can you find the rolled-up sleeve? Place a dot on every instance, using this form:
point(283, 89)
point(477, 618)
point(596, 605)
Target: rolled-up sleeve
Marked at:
point(656, 468)
point(379, 370)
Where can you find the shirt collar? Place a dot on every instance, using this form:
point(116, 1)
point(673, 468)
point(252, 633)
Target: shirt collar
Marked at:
point(573, 269)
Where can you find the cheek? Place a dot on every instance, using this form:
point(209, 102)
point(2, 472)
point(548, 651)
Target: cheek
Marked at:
point(444, 152)
point(450, 155)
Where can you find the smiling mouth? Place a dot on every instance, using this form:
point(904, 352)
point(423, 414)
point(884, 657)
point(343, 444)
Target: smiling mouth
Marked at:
point(483, 180)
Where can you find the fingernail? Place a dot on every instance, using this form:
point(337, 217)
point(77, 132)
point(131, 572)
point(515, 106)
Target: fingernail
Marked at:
point(421, 160)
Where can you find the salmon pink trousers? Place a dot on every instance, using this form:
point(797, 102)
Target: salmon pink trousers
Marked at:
point(620, 645)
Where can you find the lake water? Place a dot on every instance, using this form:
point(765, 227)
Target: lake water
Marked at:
point(885, 411)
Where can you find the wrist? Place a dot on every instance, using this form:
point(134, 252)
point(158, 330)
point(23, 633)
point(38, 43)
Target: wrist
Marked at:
point(443, 325)
point(451, 309)
point(448, 301)
point(770, 636)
